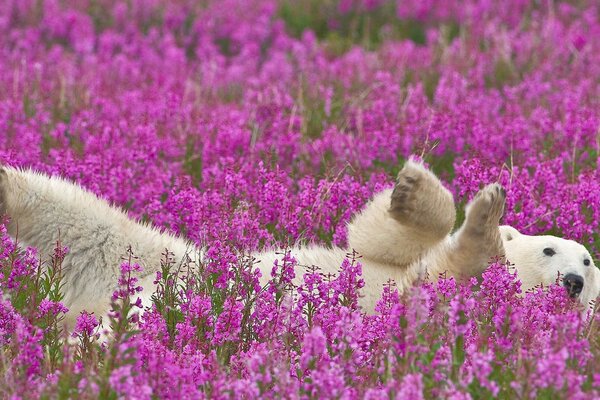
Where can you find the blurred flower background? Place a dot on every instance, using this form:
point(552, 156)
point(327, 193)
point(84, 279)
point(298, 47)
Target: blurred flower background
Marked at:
point(242, 124)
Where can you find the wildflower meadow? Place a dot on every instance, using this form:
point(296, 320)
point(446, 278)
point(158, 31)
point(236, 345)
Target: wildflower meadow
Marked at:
point(247, 124)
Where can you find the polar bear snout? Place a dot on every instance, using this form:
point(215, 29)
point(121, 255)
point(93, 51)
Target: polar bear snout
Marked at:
point(574, 284)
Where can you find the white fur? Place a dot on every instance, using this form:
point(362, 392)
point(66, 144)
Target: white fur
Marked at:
point(536, 268)
point(44, 210)
point(402, 234)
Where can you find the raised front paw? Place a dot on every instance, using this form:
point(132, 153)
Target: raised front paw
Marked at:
point(419, 200)
point(404, 199)
point(487, 207)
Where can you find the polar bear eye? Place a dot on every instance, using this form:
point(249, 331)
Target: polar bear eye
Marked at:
point(586, 262)
point(549, 251)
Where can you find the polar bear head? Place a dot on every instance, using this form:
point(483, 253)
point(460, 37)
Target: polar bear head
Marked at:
point(544, 259)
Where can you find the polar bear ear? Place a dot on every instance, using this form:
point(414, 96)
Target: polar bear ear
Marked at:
point(508, 233)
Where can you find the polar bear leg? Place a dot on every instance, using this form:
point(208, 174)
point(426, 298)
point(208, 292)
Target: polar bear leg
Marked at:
point(401, 224)
point(44, 209)
point(478, 241)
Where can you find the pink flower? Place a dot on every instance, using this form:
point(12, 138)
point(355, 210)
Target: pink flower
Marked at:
point(86, 324)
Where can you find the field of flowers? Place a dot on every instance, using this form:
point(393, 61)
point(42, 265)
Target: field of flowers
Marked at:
point(249, 123)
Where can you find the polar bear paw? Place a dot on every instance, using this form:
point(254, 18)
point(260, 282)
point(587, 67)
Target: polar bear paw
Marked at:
point(487, 207)
point(405, 194)
point(478, 241)
point(419, 200)
point(480, 231)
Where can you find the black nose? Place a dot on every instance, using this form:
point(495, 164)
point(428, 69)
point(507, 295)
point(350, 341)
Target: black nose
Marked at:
point(574, 284)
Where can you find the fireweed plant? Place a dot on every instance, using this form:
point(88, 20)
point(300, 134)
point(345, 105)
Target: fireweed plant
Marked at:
point(242, 124)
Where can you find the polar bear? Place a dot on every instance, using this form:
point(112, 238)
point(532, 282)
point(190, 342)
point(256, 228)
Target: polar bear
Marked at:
point(548, 259)
point(403, 234)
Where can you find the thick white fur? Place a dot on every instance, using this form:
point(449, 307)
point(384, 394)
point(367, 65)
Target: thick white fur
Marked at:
point(535, 268)
point(402, 234)
point(43, 210)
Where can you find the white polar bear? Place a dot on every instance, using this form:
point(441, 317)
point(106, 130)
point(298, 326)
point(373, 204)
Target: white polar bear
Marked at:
point(546, 259)
point(402, 234)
